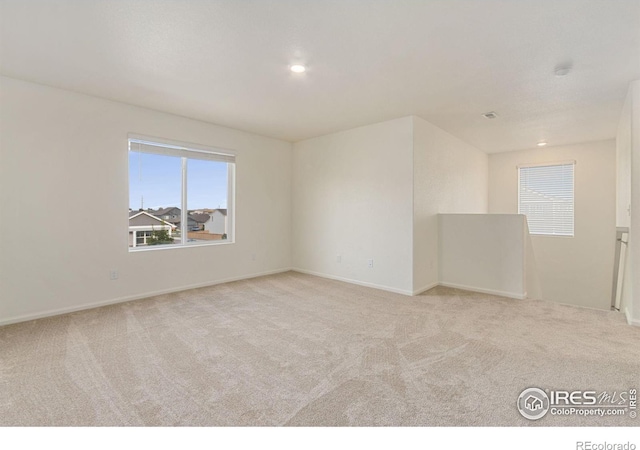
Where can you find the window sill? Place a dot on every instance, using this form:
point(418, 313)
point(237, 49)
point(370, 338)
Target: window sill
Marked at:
point(153, 248)
point(564, 236)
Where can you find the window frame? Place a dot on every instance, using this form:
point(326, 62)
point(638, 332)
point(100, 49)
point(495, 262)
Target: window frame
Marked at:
point(184, 150)
point(573, 198)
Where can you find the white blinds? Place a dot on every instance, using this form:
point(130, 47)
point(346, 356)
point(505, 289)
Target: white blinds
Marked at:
point(546, 197)
point(171, 149)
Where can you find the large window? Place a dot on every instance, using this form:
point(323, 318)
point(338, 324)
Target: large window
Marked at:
point(545, 196)
point(179, 194)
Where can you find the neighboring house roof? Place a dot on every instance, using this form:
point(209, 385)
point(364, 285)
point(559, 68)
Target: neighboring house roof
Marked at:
point(200, 218)
point(143, 218)
point(171, 210)
point(175, 211)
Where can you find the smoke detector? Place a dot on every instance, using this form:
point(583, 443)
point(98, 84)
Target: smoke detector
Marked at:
point(490, 115)
point(562, 70)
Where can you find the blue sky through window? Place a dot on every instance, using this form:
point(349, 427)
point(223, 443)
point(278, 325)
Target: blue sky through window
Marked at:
point(206, 184)
point(155, 182)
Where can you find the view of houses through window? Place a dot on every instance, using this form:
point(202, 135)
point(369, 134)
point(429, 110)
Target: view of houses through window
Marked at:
point(178, 196)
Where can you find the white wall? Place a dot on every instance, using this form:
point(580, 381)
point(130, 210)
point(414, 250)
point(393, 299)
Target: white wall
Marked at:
point(623, 196)
point(531, 276)
point(352, 196)
point(623, 166)
point(576, 270)
point(63, 163)
point(634, 229)
point(484, 252)
point(374, 192)
point(450, 176)
point(628, 198)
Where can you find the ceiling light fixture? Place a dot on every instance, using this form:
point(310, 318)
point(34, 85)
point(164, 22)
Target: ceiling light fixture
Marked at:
point(297, 68)
point(490, 115)
point(542, 143)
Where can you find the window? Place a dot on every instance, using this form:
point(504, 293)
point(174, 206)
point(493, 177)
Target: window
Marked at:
point(177, 194)
point(545, 196)
point(141, 237)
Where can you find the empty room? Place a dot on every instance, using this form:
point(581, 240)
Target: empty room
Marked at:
point(320, 213)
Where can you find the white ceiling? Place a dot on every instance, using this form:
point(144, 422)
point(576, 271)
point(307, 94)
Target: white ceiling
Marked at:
point(447, 61)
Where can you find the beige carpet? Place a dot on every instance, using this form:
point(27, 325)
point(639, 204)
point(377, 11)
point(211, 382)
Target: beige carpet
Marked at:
point(293, 349)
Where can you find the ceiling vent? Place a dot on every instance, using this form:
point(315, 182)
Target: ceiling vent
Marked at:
point(490, 115)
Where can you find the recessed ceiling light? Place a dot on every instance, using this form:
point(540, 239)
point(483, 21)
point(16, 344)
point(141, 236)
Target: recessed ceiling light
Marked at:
point(490, 115)
point(542, 143)
point(297, 68)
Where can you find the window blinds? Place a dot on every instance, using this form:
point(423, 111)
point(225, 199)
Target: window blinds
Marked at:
point(171, 149)
point(545, 196)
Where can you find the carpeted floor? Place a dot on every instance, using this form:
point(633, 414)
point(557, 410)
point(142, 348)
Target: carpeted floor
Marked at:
point(293, 349)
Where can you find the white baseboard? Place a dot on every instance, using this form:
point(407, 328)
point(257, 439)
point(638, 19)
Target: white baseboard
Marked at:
point(484, 291)
point(56, 312)
point(631, 320)
point(425, 288)
point(348, 280)
point(59, 311)
point(406, 292)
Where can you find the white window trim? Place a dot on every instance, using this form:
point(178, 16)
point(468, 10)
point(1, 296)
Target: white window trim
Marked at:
point(197, 151)
point(545, 164)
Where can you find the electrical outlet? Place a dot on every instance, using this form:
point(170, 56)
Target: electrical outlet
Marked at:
point(113, 274)
point(339, 258)
point(370, 263)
